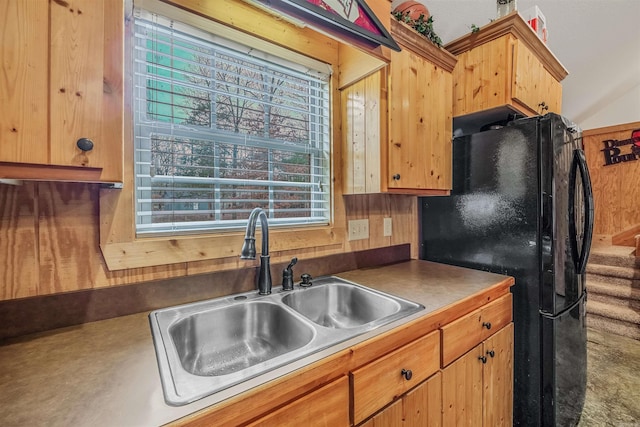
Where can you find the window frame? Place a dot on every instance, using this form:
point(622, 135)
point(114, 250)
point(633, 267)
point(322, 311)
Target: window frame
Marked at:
point(193, 254)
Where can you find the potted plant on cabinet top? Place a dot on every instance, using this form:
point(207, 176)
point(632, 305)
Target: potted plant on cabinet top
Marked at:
point(416, 15)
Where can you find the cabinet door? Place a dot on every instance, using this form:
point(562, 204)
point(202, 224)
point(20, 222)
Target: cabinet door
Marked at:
point(462, 390)
point(328, 406)
point(77, 33)
point(24, 84)
point(498, 378)
point(477, 389)
point(481, 77)
point(363, 113)
point(420, 124)
point(532, 85)
point(553, 98)
point(391, 416)
point(85, 89)
point(420, 407)
point(65, 63)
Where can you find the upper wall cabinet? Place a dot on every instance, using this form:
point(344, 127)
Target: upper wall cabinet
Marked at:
point(61, 116)
point(505, 64)
point(397, 123)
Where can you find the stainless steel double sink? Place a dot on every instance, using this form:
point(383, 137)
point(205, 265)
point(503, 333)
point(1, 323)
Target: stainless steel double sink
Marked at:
point(208, 346)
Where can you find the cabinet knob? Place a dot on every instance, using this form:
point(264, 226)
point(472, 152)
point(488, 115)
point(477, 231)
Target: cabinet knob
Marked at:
point(543, 106)
point(407, 374)
point(486, 325)
point(483, 358)
point(396, 177)
point(85, 144)
point(491, 353)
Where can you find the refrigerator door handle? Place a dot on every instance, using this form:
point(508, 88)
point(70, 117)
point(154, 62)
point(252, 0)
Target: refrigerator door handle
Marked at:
point(588, 211)
point(573, 233)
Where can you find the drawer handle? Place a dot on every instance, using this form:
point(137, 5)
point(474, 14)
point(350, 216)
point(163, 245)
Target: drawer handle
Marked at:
point(491, 353)
point(483, 358)
point(396, 177)
point(85, 144)
point(486, 325)
point(407, 374)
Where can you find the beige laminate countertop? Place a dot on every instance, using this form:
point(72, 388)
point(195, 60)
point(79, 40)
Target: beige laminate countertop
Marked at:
point(105, 373)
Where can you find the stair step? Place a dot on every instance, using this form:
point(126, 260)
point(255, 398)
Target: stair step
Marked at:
point(604, 258)
point(619, 281)
point(613, 271)
point(613, 289)
point(613, 326)
point(614, 301)
point(622, 313)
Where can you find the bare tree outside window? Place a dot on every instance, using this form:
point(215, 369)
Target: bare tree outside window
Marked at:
point(227, 132)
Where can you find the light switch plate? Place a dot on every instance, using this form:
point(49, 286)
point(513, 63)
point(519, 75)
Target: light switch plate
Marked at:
point(388, 231)
point(358, 229)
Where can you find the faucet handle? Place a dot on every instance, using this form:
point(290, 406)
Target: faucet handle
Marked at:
point(306, 280)
point(287, 275)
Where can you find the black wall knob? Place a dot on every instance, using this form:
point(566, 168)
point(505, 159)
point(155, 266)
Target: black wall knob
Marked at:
point(85, 144)
point(486, 325)
point(407, 374)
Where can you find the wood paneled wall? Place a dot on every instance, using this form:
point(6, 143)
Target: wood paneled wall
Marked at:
point(616, 187)
point(50, 233)
point(50, 240)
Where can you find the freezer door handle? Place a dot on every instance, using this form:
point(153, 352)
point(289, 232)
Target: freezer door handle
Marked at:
point(588, 211)
point(583, 298)
point(580, 164)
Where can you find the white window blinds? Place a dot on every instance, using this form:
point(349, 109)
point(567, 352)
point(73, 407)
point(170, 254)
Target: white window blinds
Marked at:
point(221, 128)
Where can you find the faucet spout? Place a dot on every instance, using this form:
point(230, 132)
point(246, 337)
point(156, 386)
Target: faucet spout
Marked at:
point(249, 249)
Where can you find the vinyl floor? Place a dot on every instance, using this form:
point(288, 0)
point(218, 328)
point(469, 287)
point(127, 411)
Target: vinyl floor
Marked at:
point(613, 381)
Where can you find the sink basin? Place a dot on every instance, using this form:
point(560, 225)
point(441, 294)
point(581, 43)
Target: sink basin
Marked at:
point(341, 305)
point(226, 345)
point(229, 339)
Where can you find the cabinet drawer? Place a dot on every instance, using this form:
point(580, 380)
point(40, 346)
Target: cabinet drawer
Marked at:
point(463, 334)
point(327, 406)
point(381, 381)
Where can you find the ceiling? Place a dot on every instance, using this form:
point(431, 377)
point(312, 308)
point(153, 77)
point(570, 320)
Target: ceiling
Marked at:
point(597, 41)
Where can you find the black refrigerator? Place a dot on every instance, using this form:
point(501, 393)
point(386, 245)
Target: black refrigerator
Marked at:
point(522, 205)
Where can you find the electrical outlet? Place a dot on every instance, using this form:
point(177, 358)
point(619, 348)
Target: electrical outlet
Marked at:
point(358, 229)
point(387, 227)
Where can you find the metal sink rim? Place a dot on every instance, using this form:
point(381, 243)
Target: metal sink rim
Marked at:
point(181, 387)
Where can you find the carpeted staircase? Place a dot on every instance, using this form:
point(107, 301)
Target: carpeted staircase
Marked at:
point(613, 286)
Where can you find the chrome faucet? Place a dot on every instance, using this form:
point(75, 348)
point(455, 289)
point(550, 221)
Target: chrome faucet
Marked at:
point(249, 249)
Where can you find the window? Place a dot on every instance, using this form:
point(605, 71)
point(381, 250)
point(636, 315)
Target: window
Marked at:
point(221, 128)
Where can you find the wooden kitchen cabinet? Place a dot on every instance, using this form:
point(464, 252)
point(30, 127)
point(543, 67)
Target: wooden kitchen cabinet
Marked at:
point(327, 406)
point(64, 62)
point(477, 388)
point(505, 65)
point(477, 367)
point(420, 407)
point(367, 382)
point(381, 381)
point(466, 332)
point(398, 122)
